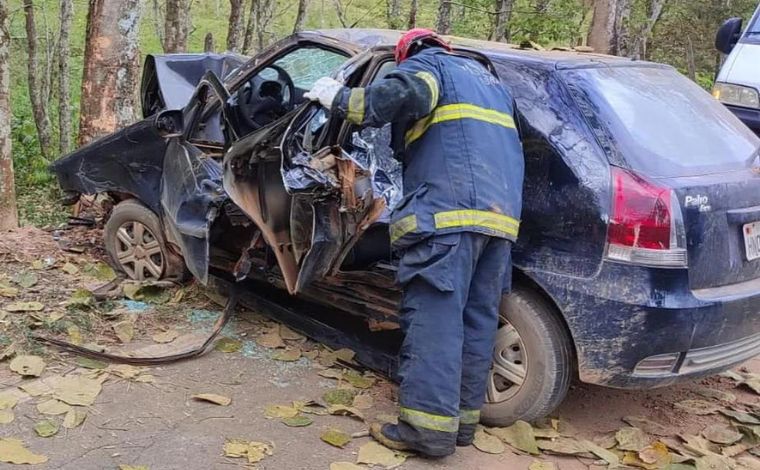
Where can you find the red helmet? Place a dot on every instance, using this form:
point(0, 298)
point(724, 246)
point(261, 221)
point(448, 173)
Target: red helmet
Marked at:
point(414, 36)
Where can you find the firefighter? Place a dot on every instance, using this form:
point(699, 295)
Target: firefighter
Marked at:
point(454, 132)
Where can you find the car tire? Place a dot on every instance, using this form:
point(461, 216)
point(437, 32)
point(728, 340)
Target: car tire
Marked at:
point(135, 241)
point(531, 335)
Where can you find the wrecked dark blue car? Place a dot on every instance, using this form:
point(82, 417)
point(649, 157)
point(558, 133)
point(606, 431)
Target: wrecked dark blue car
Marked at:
point(638, 262)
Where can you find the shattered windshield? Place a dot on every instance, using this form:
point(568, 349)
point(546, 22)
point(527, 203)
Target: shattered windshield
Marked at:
point(660, 122)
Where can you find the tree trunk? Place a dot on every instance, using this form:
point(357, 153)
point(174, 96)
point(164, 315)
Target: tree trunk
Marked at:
point(500, 30)
point(608, 26)
point(412, 15)
point(235, 29)
point(443, 22)
point(208, 43)
point(639, 47)
point(341, 12)
point(250, 28)
point(298, 25)
point(8, 214)
point(690, 63)
point(35, 82)
point(158, 23)
point(176, 25)
point(64, 81)
point(110, 80)
point(393, 14)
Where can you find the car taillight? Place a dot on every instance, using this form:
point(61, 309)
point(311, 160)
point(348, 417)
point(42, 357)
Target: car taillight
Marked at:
point(646, 225)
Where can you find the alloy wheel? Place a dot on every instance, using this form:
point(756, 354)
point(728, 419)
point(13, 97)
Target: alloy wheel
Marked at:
point(139, 252)
point(509, 366)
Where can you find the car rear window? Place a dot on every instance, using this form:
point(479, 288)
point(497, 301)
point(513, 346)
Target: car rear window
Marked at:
point(659, 122)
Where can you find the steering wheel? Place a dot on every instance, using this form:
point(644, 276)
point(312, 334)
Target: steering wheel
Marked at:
point(263, 101)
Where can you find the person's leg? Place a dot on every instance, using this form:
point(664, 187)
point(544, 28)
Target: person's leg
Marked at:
point(481, 317)
point(435, 275)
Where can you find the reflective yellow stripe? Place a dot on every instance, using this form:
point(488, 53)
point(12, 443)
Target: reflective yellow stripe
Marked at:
point(451, 112)
point(432, 83)
point(430, 421)
point(469, 416)
point(403, 226)
point(476, 218)
point(356, 106)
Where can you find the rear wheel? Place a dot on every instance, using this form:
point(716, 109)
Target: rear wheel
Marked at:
point(135, 242)
point(532, 361)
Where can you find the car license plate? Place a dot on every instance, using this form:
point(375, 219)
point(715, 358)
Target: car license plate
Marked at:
point(752, 240)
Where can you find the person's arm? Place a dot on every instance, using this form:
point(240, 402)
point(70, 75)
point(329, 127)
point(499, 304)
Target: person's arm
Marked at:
point(408, 93)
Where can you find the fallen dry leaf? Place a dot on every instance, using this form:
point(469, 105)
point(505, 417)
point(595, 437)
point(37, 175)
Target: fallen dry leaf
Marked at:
point(125, 371)
point(70, 268)
point(32, 306)
point(697, 407)
point(228, 345)
point(53, 407)
point(297, 421)
point(363, 402)
point(519, 435)
point(346, 466)
point(253, 451)
point(288, 334)
point(613, 461)
point(89, 363)
point(633, 439)
point(125, 330)
point(716, 394)
point(373, 453)
point(25, 279)
point(8, 400)
point(75, 334)
point(698, 445)
point(713, 462)
point(656, 455)
point(28, 365)
point(13, 451)
point(331, 374)
point(8, 291)
point(311, 355)
point(77, 390)
point(721, 434)
point(336, 437)
point(339, 396)
point(6, 416)
point(271, 340)
point(287, 355)
point(46, 428)
point(280, 411)
point(648, 426)
point(213, 398)
point(165, 336)
point(542, 465)
point(740, 416)
point(488, 443)
point(74, 417)
point(358, 380)
point(343, 410)
point(563, 446)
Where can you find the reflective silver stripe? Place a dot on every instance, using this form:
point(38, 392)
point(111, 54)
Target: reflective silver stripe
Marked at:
point(477, 218)
point(430, 421)
point(469, 416)
point(355, 112)
point(403, 226)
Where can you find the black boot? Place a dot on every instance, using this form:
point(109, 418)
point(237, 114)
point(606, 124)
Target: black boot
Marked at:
point(389, 436)
point(466, 434)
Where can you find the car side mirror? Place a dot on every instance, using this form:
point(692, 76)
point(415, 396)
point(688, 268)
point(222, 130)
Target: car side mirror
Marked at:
point(170, 123)
point(728, 35)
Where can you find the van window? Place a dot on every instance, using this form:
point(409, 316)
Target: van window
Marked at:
point(659, 122)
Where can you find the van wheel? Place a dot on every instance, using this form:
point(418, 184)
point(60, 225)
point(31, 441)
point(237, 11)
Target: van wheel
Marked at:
point(136, 244)
point(532, 361)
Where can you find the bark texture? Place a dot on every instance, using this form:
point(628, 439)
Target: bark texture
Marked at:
point(111, 74)
point(412, 23)
point(639, 48)
point(393, 14)
point(608, 31)
point(235, 28)
point(64, 81)
point(503, 14)
point(443, 22)
point(37, 93)
point(208, 43)
point(259, 17)
point(298, 25)
point(176, 24)
point(8, 214)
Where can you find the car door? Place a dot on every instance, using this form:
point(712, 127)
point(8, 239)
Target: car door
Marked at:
point(191, 184)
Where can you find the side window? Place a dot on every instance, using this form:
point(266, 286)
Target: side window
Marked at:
point(306, 65)
point(206, 131)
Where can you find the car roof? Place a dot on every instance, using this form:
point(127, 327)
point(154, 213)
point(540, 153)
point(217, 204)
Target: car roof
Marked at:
point(560, 59)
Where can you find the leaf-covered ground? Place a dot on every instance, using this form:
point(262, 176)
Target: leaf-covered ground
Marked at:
point(266, 397)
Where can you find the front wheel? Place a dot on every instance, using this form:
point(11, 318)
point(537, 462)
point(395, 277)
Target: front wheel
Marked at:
point(532, 361)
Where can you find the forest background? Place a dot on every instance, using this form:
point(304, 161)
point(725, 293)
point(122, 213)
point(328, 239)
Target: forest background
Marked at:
point(47, 42)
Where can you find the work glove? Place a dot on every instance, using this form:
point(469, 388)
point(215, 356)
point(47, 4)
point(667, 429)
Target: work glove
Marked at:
point(324, 91)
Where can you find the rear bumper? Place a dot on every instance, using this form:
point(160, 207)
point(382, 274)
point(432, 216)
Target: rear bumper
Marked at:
point(643, 328)
point(750, 117)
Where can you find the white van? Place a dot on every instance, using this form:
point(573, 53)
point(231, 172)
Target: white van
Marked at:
point(738, 83)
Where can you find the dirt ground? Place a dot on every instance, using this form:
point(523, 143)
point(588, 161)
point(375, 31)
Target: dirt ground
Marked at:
point(147, 418)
